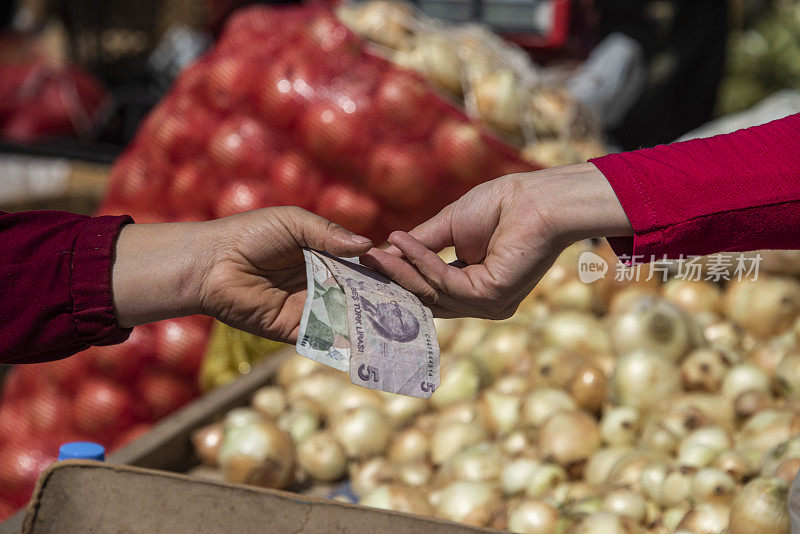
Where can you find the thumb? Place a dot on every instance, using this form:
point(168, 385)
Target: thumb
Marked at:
point(319, 233)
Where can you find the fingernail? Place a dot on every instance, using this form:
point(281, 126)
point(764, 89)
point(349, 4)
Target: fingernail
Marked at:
point(360, 239)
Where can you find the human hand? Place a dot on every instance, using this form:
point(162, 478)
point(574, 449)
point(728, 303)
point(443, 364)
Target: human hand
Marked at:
point(506, 234)
point(246, 270)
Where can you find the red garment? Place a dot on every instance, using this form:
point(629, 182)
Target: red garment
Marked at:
point(732, 192)
point(55, 284)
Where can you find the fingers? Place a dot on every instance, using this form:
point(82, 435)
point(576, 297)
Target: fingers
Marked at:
point(315, 232)
point(401, 272)
point(435, 233)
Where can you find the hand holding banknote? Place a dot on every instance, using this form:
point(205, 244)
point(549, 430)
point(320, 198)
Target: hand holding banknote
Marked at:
point(256, 279)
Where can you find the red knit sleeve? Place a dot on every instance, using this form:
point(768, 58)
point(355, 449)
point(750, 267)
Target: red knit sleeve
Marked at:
point(734, 192)
point(55, 284)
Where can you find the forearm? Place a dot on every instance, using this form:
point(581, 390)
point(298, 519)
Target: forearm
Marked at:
point(732, 192)
point(158, 269)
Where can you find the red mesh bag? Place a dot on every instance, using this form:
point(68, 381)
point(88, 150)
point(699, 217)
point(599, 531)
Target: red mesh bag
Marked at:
point(291, 109)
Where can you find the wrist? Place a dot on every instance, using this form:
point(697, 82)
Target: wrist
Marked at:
point(158, 271)
point(577, 202)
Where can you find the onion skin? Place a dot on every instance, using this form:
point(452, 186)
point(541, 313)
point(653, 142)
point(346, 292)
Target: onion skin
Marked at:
point(362, 432)
point(258, 454)
point(269, 401)
point(543, 403)
point(409, 445)
point(619, 426)
point(787, 375)
point(322, 457)
point(764, 307)
point(750, 402)
point(472, 503)
point(588, 386)
point(761, 506)
point(643, 378)
point(398, 498)
point(706, 518)
point(368, 475)
point(652, 324)
point(569, 438)
point(693, 296)
point(703, 370)
point(461, 380)
point(531, 516)
point(207, 442)
point(744, 377)
point(626, 503)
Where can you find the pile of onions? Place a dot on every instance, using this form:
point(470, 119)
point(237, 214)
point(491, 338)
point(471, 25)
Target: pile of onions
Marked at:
point(676, 411)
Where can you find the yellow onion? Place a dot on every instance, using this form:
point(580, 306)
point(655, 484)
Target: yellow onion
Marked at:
point(644, 378)
point(207, 442)
point(703, 370)
point(501, 412)
point(569, 438)
point(442, 65)
point(627, 471)
point(761, 506)
point(555, 367)
point(786, 450)
point(682, 420)
point(408, 445)
point(516, 475)
point(450, 439)
point(706, 518)
point(723, 334)
point(735, 464)
point(574, 295)
point(498, 99)
point(601, 462)
point(416, 473)
point(467, 411)
point(467, 502)
point(543, 403)
point(470, 333)
point(398, 498)
point(295, 369)
point(627, 503)
point(351, 396)
point(701, 447)
point(769, 355)
point(367, 475)
point(511, 385)
point(652, 477)
point(446, 331)
point(402, 409)
point(764, 307)
point(576, 331)
point(483, 461)
point(319, 388)
point(517, 443)
point(657, 438)
point(787, 470)
point(693, 296)
point(714, 408)
point(673, 515)
point(383, 21)
point(362, 432)
point(239, 417)
point(569, 493)
point(603, 523)
point(620, 425)
point(501, 346)
point(744, 377)
point(766, 429)
point(588, 386)
point(259, 454)
point(710, 484)
point(676, 488)
point(269, 401)
point(787, 375)
point(532, 516)
point(322, 457)
point(461, 380)
point(628, 296)
point(299, 422)
point(652, 324)
point(750, 402)
point(544, 478)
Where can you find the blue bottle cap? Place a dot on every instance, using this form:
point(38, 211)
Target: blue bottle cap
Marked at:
point(82, 450)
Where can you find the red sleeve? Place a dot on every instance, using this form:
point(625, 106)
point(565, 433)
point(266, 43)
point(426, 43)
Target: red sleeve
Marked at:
point(732, 192)
point(55, 284)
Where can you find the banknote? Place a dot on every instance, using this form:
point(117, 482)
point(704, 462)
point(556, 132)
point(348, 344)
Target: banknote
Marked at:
point(324, 334)
point(393, 344)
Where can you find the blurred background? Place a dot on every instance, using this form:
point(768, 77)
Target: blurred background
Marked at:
point(373, 113)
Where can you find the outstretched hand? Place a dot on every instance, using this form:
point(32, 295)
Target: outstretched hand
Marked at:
point(246, 270)
point(506, 234)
